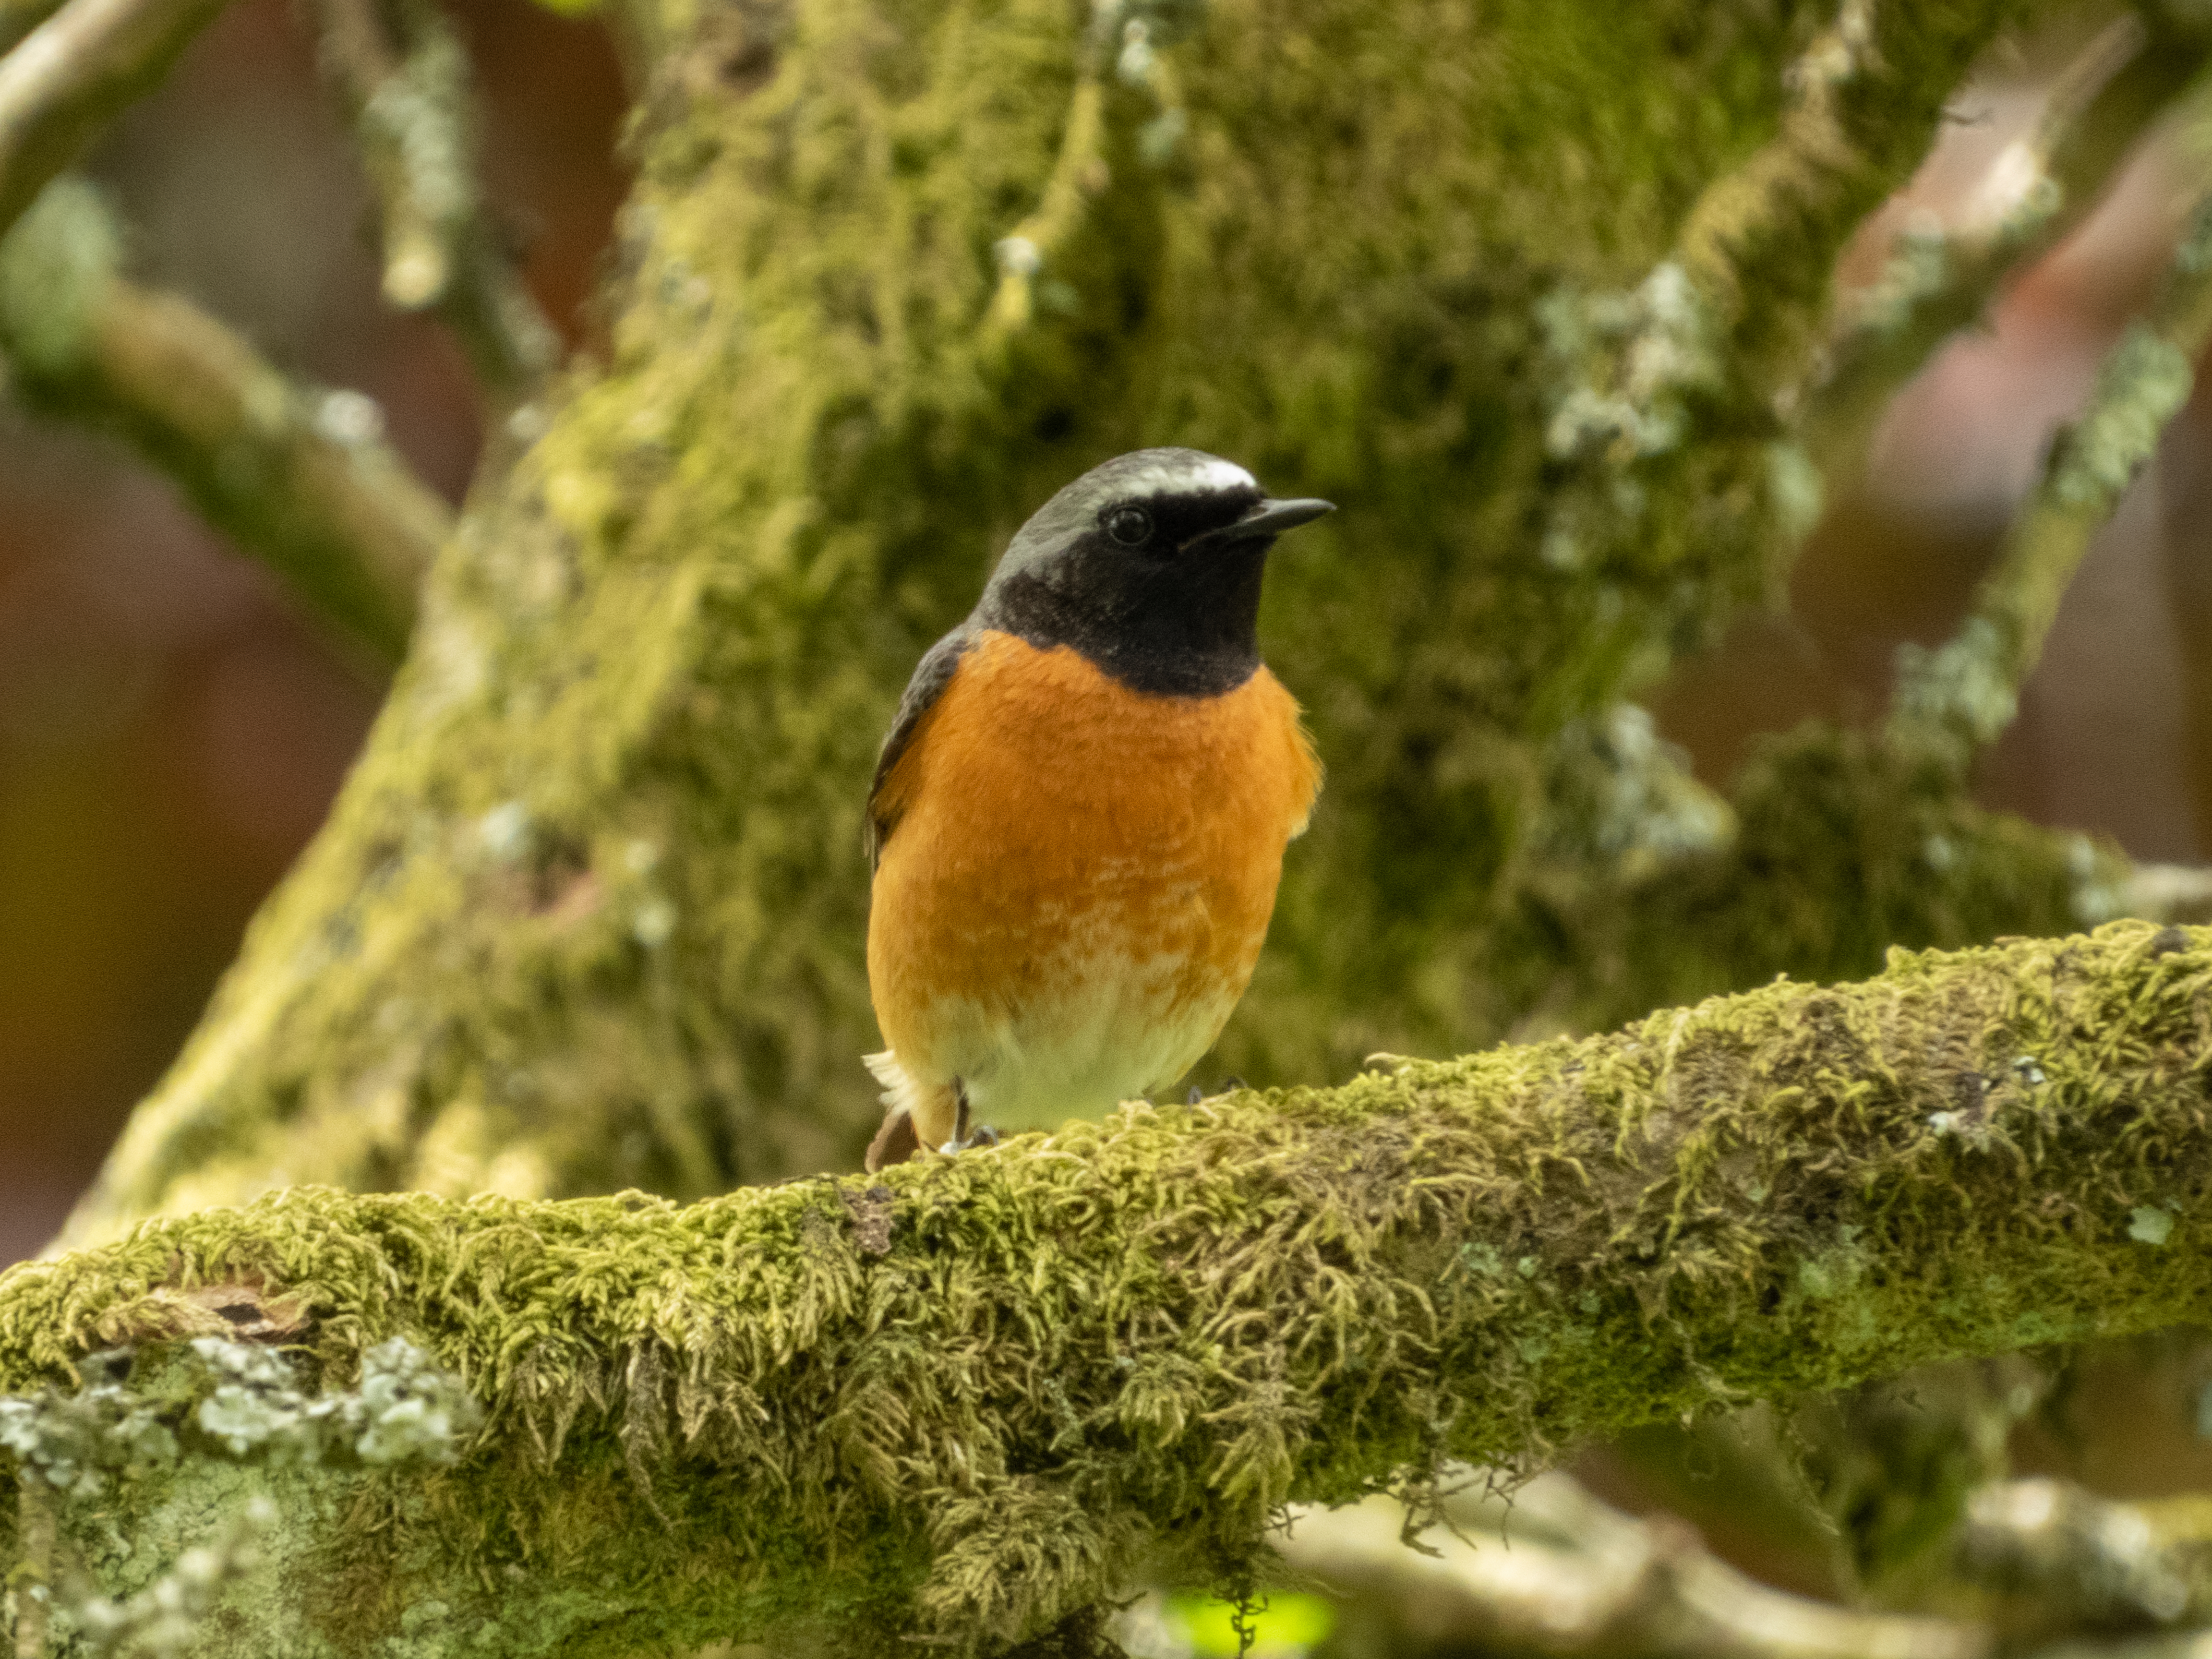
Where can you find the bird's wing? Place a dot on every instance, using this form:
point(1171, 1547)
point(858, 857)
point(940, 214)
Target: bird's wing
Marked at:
point(930, 675)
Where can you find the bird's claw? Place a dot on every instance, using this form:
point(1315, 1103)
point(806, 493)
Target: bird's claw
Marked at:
point(1230, 1086)
point(982, 1135)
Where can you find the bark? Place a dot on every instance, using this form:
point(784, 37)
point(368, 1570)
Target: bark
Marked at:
point(968, 1401)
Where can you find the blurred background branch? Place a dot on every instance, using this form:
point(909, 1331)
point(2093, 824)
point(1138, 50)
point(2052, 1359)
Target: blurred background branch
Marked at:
point(19, 19)
point(1960, 698)
point(1547, 1568)
point(74, 72)
point(402, 74)
point(1944, 274)
point(300, 477)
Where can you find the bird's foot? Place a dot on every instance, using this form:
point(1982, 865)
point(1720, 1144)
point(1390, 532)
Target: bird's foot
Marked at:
point(963, 1137)
point(981, 1135)
point(1230, 1086)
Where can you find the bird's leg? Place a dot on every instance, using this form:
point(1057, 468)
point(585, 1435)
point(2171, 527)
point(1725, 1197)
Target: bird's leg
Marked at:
point(963, 1137)
point(959, 1116)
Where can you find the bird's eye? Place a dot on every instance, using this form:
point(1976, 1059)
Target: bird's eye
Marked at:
point(1129, 526)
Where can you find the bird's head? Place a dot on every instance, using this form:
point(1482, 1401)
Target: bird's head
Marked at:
point(1149, 565)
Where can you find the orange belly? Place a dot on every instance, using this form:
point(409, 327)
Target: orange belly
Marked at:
point(1077, 883)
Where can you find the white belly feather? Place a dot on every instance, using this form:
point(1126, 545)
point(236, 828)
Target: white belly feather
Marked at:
point(1113, 1029)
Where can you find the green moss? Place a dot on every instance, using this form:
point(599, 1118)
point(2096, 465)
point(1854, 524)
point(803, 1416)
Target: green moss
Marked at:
point(54, 265)
point(718, 1420)
point(1845, 845)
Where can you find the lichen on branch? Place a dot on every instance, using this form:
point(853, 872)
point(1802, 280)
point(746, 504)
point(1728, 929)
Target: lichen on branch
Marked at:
point(972, 1398)
point(187, 1416)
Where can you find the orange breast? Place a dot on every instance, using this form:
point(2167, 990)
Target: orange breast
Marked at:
point(1048, 824)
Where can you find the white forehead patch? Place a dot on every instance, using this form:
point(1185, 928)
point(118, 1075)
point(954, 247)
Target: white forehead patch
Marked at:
point(1176, 477)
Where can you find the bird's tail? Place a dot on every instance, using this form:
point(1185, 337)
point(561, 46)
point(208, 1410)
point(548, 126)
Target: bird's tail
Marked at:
point(916, 1114)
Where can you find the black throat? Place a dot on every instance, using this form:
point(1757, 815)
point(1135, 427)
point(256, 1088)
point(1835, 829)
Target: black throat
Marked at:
point(1186, 629)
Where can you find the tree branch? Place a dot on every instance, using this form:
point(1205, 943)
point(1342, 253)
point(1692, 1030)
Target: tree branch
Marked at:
point(967, 1400)
point(1551, 1568)
point(1555, 1571)
point(1958, 698)
point(70, 75)
point(2039, 188)
point(300, 478)
point(18, 17)
point(2069, 1560)
point(414, 121)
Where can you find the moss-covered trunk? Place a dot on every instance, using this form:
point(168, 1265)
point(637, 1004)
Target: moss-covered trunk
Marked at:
point(1526, 287)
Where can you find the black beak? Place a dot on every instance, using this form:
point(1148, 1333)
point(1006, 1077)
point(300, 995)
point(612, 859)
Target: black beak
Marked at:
point(1274, 518)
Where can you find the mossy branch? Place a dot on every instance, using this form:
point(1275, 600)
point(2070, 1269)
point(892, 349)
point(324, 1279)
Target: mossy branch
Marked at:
point(2116, 88)
point(970, 1398)
point(1956, 699)
point(298, 477)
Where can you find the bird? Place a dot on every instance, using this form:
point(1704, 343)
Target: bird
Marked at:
point(1078, 820)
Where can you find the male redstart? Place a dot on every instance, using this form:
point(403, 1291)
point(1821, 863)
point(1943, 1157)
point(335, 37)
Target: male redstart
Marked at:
point(1078, 822)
